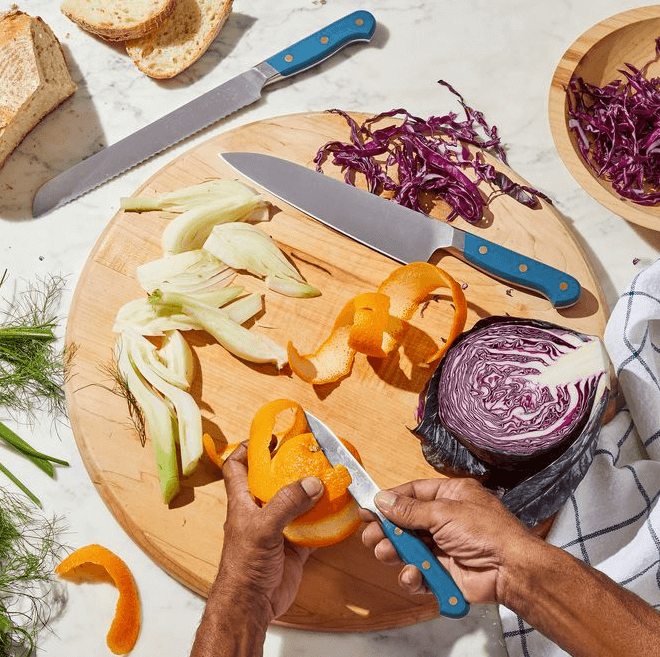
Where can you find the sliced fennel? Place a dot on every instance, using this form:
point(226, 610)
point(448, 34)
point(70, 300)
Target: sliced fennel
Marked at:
point(155, 319)
point(244, 246)
point(188, 416)
point(245, 308)
point(173, 362)
point(161, 424)
point(189, 230)
point(188, 271)
point(186, 198)
point(238, 340)
point(176, 355)
point(238, 310)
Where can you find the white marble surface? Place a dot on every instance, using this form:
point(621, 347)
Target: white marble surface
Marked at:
point(500, 55)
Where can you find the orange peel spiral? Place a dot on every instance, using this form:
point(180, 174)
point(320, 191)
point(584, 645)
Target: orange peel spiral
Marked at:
point(82, 566)
point(374, 323)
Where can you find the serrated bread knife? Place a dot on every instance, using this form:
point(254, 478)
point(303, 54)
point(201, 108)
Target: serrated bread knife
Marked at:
point(398, 232)
point(410, 548)
point(200, 113)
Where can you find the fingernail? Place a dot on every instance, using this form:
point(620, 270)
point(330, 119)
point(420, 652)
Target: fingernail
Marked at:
point(385, 499)
point(312, 486)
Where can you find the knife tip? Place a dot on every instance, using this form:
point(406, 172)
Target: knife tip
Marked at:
point(38, 208)
point(43, 201)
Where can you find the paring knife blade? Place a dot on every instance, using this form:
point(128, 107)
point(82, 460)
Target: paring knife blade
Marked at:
point(398, 232)
point(200, 113)
point(410, 548)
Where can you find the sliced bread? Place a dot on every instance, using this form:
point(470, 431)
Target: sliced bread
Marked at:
point(118, 20)
point(34, 78)
point(182, 39)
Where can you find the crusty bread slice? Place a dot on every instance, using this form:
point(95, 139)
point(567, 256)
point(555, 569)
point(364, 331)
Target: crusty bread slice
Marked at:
point(182, 39)
point(34, 78)
point(118, 20)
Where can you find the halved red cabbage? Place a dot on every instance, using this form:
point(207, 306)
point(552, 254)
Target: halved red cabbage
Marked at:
point(618, 131)
point(426, 156)
point(515, 404)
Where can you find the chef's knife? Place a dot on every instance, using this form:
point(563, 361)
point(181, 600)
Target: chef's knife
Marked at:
point(398, 232)
point(410, 548)
point(202, 112)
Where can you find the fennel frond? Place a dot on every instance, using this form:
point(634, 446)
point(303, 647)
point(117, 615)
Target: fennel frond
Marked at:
point(32, 367)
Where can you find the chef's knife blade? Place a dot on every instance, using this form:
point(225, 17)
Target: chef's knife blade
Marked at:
point(410, 548)
point(398, 232)
point(200, 113)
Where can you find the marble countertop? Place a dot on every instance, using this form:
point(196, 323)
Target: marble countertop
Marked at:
point(501, 56)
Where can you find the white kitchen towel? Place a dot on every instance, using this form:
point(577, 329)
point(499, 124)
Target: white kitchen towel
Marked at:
point(612, 521)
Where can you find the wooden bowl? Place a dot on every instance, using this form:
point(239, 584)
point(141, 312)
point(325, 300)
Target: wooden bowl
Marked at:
point(597, 56)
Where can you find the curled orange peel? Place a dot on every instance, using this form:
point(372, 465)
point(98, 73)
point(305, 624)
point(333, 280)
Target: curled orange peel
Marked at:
point(296, 424)
point(82, 565)
point(374, 323)
point(217, 456)
point(295, 455)
point(409, 285)
point(369, 323)
point(330, 362)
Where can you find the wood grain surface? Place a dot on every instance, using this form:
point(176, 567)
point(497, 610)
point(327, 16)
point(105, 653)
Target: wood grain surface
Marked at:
point(344, 587)
point(597, 56)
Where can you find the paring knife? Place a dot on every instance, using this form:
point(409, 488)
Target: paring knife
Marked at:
point(410, 548)
point(398, 232)
point(200, 113)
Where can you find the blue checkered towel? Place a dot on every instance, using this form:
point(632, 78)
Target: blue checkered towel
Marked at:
point(612, 521)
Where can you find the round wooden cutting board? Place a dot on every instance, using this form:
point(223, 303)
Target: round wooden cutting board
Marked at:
point(344, 587)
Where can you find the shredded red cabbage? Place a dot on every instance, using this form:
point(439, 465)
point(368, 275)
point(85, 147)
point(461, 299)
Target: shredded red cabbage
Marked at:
point(618, 131)
point(429, 156)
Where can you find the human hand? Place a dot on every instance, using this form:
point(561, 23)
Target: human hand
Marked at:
point(475, 537)
point(255, 557)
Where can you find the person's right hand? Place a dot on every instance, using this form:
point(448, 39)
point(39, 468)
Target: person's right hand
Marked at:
point(476, 538)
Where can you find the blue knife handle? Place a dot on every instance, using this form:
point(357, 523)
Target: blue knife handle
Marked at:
point(413, 551)
point(358, 26)
point(559, 287)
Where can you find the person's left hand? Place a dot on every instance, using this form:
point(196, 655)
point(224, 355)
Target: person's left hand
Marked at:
point(256, 559)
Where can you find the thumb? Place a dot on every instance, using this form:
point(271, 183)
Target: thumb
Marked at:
point(293, 500)
point(404, 511)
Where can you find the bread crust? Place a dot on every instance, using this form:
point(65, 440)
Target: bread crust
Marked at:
point(34, 77)
point(182, 39)
point(111, 19)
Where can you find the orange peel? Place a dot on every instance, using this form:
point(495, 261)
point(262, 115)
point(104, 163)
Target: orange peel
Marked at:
point(331, 361)
point(409, 285)
point(369, 323)
point(374, 323)
point(82, 565)
point(217, 456)
point(297, 424)
point(297, 455)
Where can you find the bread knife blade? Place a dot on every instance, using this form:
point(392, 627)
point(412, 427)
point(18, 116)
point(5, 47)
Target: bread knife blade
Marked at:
point(201, 112)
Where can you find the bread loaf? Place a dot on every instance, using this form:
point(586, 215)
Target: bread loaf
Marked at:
point(34, 78)
point(118, 20)
point(182, 38)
